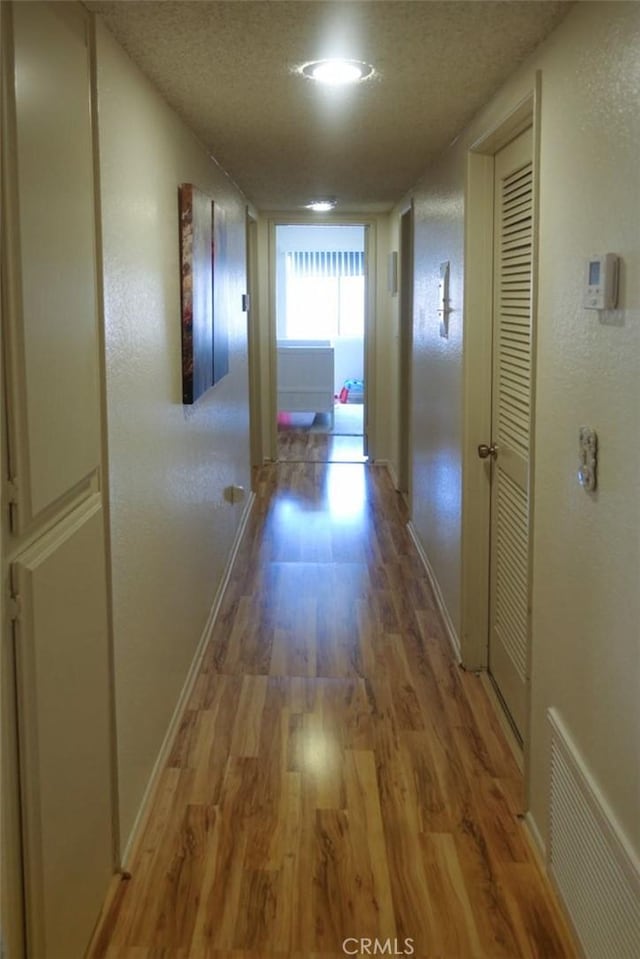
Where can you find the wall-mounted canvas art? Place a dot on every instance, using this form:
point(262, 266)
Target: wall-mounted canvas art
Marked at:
point(220, 299)
point(197, 266)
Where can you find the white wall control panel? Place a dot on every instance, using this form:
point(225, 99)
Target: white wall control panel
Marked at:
point(588, 461)
point(601, 282)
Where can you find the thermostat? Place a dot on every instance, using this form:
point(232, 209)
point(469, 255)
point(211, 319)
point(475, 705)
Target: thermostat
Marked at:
point(601, 282)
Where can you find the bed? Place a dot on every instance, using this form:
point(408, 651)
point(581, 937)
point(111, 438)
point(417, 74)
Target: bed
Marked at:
point(305, 376)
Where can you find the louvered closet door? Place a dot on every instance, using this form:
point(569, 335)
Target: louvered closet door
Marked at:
point(511, 425)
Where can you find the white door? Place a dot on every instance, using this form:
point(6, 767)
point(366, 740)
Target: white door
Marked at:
point(511, 426)
point(54, 553)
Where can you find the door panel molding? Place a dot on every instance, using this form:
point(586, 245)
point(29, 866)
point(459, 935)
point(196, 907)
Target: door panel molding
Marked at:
point(52, 368)
point(64, 709)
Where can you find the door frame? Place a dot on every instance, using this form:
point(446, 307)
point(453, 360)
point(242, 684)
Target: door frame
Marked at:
point(253, 344)
point(370, 256)
point(405, 353)
point(477, 376)
point(12, 897)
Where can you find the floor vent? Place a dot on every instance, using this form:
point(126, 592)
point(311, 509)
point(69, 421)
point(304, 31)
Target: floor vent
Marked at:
point(593, 866)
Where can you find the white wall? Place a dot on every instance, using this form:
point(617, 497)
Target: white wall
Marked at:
point(586, 600)
point(437, 375)
point(348, 360)
point(171, 528)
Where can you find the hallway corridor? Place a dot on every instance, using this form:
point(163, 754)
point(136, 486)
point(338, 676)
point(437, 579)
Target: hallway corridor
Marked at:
point(336, 774)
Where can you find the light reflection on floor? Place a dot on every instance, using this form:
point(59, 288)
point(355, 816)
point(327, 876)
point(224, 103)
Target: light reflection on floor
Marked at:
point(320, 751)
point(308, 520)
point(343, 500)
point(346, 490)
point(309, 438)
point(346, 449)
point(326, 515)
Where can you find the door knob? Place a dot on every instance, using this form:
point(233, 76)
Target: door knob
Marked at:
point(485, 451)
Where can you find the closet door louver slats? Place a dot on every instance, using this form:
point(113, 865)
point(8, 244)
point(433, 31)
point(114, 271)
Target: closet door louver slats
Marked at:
point(513, 303)
point(511, 425)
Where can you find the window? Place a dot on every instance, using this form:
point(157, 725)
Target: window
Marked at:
point(324, 295)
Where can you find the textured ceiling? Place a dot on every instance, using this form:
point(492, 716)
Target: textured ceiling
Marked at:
point(228, 68)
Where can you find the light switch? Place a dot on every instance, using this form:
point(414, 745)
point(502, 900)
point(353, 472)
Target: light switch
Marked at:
point(588, 458)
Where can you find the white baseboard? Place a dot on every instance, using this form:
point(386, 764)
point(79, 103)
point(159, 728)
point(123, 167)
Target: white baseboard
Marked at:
point(392, 473)
point(165, 749)
point(449, 628)
point(388, 465)
point(502, 716)
point(537, 842)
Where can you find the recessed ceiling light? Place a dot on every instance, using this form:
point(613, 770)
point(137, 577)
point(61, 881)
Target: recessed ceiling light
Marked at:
point(321, 206)
point(337, 73)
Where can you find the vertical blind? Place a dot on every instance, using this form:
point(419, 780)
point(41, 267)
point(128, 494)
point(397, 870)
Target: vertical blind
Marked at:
point(326, 263)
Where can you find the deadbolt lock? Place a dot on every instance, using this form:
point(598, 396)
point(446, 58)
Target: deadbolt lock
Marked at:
point(485, 451)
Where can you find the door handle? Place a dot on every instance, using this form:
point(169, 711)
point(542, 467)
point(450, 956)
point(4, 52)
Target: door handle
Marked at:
point(485, 451)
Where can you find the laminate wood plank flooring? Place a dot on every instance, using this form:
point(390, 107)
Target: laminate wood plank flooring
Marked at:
point(336, 775)
point(306, 446)
point(304, 438)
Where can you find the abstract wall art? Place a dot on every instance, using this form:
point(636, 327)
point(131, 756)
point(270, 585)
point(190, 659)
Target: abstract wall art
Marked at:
point(197, 295)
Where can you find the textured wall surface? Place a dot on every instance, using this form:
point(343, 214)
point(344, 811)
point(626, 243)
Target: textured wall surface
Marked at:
point(586, 600)
point(171, 528)
point(437, 376)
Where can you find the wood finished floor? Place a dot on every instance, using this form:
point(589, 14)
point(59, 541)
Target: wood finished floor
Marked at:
point(336, 774)
point(304, 446)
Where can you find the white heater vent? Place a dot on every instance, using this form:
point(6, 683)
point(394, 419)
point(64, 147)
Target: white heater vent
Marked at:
point(591, 861)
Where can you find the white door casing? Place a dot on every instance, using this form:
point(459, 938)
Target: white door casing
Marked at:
point(269, 370)
point(405, 353)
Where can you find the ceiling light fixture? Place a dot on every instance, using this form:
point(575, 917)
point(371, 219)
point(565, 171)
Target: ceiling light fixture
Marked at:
point(322, 206)
point(337, 73)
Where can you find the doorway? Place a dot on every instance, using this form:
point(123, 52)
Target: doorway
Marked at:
point(499, 368)
point(320, 321)
point(253, 339)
